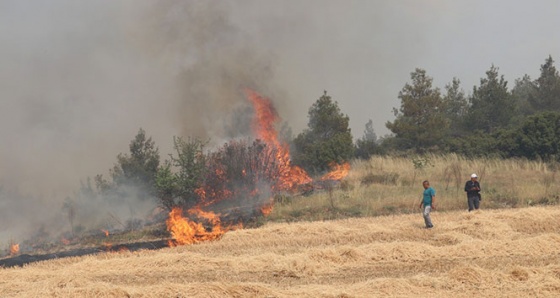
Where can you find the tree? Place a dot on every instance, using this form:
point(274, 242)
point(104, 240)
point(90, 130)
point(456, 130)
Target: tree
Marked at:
point(328, 138)
point(139, 168)
point(190, 163)
point(523, 93)
point(492, 106)
point(420, 121)
point(547, 97)
point(166, 184)
point(456, 106)
point(537, 137)
point(367, 145)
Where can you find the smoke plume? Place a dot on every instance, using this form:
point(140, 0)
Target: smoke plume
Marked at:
point(79, 79)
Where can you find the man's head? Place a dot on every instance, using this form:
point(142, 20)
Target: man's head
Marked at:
point(426, 184)
point(474, 177)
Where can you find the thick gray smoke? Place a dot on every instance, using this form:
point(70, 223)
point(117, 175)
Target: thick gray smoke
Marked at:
point(79, 79)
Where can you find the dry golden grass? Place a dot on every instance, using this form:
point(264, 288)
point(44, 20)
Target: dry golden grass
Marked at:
point(393, 185)
point(487, 253)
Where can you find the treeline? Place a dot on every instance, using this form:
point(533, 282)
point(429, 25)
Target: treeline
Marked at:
point(492, 120)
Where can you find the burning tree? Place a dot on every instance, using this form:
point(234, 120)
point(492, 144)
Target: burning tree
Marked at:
point(214, 192)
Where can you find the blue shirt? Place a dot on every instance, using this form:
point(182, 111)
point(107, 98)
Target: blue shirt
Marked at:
point(428, 194)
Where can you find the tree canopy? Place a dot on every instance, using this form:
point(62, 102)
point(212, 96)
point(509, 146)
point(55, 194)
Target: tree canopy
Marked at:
point(327, 139)
point(420, 121)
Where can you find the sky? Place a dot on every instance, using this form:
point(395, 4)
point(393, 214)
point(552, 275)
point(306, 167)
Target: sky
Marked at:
point(79, 78)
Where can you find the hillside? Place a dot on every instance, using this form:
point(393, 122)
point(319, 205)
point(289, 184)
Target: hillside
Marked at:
point(504, 252)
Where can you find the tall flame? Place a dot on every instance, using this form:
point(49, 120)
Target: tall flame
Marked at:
point(265, 119)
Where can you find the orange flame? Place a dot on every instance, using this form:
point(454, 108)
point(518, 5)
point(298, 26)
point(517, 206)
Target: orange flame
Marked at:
point(64, 241)
point(14, 249)
point(266, 118)
point(185, 231)
point(338, 172)
point(106, 232)
point(267, 209)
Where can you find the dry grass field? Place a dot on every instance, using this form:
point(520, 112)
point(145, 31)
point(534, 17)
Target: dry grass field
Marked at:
point(393, 185)
point(487, 253)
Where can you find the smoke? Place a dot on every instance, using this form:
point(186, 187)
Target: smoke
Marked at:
point(79, 79)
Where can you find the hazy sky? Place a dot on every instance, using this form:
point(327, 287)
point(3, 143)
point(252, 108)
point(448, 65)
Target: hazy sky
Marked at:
point(79, 78)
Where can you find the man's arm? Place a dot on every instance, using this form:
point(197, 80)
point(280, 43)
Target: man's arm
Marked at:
point(434, 201)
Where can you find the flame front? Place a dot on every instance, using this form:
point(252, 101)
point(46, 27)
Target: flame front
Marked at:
point(185, 231)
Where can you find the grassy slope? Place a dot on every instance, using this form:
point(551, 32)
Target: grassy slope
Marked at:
point(513, 252)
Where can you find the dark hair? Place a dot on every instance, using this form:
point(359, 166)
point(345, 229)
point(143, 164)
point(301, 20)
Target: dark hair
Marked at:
point(426, 181)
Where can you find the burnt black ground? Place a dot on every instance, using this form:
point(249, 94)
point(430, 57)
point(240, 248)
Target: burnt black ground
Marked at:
point(23, 259)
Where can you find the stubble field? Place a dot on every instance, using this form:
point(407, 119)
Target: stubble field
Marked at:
point(487, 253)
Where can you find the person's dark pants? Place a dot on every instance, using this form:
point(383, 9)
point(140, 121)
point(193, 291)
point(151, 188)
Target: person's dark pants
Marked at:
point(474, 202)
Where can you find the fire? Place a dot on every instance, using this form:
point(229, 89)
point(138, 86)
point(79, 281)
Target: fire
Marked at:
point(280, 174)
point(266, 209)
point(185, 231)
point(14, 249)
point(106, 232)
point(338, 172)
point(266, 118)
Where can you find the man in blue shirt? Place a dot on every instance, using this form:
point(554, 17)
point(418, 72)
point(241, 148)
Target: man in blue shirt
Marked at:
point(428, 201)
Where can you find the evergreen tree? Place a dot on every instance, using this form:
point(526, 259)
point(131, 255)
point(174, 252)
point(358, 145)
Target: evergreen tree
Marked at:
point(420, 121)
point(456, 106)
point(537, 137)
point(492, 106)
point(367, 145)
point(140, 167)
point(523, 93)
point(547, 96)
point(328, 138)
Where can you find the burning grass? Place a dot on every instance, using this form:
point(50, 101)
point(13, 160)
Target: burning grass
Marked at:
point(508, 252)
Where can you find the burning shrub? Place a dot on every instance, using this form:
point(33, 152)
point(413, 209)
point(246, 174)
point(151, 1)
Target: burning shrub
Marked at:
point(239, 178)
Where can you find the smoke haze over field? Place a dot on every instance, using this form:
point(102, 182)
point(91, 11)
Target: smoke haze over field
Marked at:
point(78, 79)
